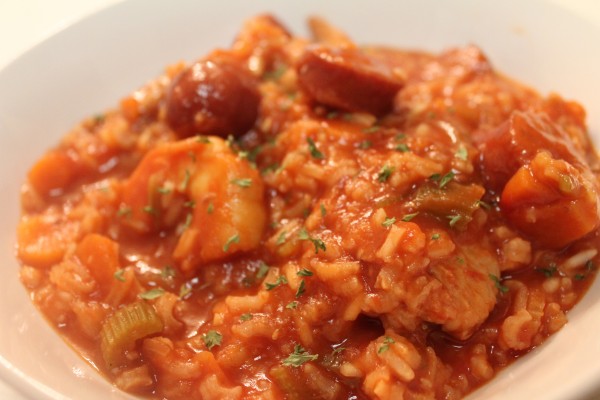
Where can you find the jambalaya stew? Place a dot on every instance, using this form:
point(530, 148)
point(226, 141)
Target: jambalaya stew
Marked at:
point(297, 218)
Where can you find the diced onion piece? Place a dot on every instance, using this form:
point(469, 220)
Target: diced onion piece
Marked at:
point(121, 330)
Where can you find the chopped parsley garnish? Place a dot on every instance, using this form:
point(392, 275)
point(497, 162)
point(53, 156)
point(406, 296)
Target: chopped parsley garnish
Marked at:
point(312, 147)
point(184, 290)
point(301, 289)
point(386, 344)
point(454, 219)
point(502, 288)
point(212, 338)
point(152, 294)
point(483, 205)
point(435, 236)
point(365, 144)
point(389, 222)
point(164, 190)
point(186, 181)
point(245, 317)
point(190, 204)
point(210, 209)
point(202, 139)
point(304, 272)
point(292, 305)
point(167, 272)
point(149, 210)
point(385, 173)
point(242, 182)
point(119, 275)
point(446, 179)
point(299, 357)
point(233, 239)
point(338, 350)
point(323, 210)
point(409, 217)
point(282, 280)
point(371, 129)
point(188, 221)
point(262, 271)
point(579, 277)
point(281, 238)
point(549, 271)
point(331, 115)
point(461, 153)
point(124, 211)
point(402, 147)
point(318, 243)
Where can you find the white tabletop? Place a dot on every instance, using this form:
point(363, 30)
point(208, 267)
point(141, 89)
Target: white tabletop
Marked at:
point(24, 23)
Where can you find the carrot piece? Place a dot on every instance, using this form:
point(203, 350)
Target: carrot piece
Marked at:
point(54, 171)
point(101, 256)
point(40, 243)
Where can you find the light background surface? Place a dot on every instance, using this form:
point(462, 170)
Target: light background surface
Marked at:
point(24, 23)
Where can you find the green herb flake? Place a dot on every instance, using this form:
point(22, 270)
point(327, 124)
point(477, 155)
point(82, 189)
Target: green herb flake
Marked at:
point(323, 210)
point(301, 289)
point(454, 219)
point(275, 74)
point(389, 222)
point(282, 280)
point(402, 147)
point(98, 118)
point(435, 236)
point(446, 179)
point(318, 243)
point(124, 211)
point(338, 350)
point(384, 173)
point(118, 275)
point(245, 317)
point(579, 277)
point(190, 204)
point(292, 305)
point(409, 217)
point(312, 147)
point(299, 357)
point(304, 272)
point(149, 209)
point(548, 271)
point(483, 204)
point(303, 234)
point(212, 338)
point(152, 294)
point(386, 344)
point(332, 115)
point(185, 290)
point(502, 288)
point(461, 153)
point(185, 182)
point(262, 271)
point(233, 239)
point(281, 238)
point(188, 221)
point(202, 139)
point(164, 190)
point(365, 144)
point(211, 208)
point(167, 272)
point(242, 182)
point(372, 129)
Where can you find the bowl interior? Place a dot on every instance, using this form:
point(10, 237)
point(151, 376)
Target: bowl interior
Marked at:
point(89, 66)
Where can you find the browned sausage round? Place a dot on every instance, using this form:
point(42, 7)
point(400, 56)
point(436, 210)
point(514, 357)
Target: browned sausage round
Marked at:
point(346, 78)
point(213, 97)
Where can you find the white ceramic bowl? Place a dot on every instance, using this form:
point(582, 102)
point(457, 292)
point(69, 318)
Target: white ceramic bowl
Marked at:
point(89, 66)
